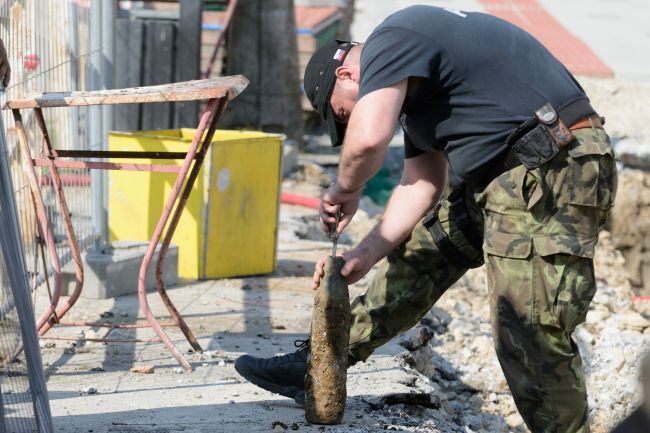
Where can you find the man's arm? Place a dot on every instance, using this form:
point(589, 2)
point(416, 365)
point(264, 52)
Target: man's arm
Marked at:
point(422, 183)
point(420, 188)
point(370, 129)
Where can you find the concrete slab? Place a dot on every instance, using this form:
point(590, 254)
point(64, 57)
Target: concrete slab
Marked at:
point(115, 272)
point(263, 315)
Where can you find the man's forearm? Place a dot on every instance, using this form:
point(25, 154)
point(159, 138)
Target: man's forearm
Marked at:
point(407, 206)
point(359, 163)
point(420, 188)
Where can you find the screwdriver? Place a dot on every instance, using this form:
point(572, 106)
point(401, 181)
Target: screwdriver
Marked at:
point(333, 234)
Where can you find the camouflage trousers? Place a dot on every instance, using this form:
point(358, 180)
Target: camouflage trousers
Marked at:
point(540, 231)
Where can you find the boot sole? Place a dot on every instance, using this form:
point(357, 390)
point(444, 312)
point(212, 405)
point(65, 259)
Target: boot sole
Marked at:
point(297, 394)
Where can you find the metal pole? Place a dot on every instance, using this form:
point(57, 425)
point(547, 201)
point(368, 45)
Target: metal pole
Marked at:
point(73, 46)
point(108, 45)
point(109, 13)
point(95, 126)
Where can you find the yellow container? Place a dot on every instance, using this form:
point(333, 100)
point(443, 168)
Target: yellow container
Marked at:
point(229, 226)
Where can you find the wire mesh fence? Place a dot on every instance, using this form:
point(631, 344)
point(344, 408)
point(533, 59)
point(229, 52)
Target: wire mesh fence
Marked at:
point(49, 47)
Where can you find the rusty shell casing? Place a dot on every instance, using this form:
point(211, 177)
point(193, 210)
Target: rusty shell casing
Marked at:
point(325, 383)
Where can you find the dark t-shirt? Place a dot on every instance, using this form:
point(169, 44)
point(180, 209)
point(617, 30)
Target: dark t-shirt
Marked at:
point(483, 77)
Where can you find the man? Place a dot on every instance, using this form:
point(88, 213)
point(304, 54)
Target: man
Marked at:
point(533, 174)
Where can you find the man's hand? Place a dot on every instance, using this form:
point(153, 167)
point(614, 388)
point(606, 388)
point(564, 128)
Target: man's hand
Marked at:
point(357, 264)
point(371, 127)
point(5, 70)
point(422, 183)
point(334, 198)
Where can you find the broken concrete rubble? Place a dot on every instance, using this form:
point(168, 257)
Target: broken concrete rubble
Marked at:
point(633, 240)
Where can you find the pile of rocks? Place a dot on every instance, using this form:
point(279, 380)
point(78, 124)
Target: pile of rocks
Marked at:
point(633, 239)
point(613, 339)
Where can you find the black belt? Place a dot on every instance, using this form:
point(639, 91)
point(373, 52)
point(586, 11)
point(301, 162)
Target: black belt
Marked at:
point(569, 113)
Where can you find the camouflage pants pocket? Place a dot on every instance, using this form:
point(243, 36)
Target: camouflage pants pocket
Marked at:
point(564, 287)
point(593, 179)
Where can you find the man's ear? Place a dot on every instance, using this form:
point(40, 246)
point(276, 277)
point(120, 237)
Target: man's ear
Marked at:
point(343, 72)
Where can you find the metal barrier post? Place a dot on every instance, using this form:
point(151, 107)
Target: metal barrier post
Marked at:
point(96, 129)
point(109, 15)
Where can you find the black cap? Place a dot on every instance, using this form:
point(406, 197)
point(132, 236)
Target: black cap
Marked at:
point(320, 77)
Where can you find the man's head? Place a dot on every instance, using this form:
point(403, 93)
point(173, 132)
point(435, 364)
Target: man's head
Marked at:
point(332, 84)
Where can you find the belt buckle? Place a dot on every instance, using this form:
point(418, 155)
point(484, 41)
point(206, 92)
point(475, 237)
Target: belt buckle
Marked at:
point(431, 217)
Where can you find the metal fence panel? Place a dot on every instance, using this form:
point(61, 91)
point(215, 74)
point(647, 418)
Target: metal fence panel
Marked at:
point(49, 48)
point(24, 405)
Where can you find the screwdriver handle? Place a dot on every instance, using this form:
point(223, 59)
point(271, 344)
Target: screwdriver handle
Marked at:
point(333, 234)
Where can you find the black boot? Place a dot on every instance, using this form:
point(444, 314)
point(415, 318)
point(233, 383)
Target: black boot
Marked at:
point(284, 375)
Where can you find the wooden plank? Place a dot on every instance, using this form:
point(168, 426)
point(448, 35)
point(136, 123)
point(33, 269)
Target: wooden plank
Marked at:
point(222, 87)
point(158, 69)
point(227, 17)
point(188, 58)
point(128, 70)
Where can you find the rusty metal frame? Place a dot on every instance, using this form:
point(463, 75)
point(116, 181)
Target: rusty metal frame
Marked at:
point(69, 230)
point(187, 174)
point(44, 227)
